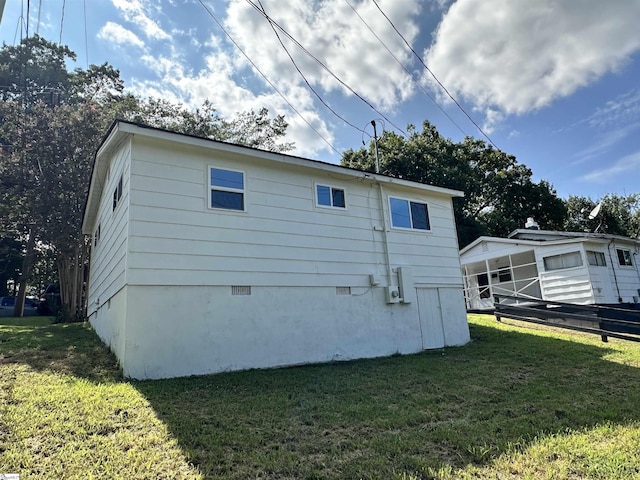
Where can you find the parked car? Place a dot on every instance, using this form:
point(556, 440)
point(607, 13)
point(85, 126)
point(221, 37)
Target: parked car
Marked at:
point(9, 303)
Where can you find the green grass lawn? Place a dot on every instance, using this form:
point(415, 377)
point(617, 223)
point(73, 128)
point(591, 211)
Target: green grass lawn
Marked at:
point(514, 403)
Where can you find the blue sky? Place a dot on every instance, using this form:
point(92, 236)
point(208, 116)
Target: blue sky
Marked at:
point(554, 82)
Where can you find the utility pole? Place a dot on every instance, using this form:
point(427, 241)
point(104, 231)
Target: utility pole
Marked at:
point(2, 3)
point(375, 145)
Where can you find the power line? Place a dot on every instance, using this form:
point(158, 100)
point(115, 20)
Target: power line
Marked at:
point(38, 24)
point(317, 60)
point(215, 19)
point(406, 69)
point(86, 43)
point(434, 76)
point(62, 21)
point(304, 77)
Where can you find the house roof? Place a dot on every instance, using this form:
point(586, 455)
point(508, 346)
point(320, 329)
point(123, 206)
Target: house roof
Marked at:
point(546, 235)
point(120, 130)
point(552, 238)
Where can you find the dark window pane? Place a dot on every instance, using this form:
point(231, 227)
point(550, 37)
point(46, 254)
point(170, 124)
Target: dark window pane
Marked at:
point(324, 195)
point(338, 197)
point(228, 200)
point(420, 216)
point(400, 213)
point(227, 179)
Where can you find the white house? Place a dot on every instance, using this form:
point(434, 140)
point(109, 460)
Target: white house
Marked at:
point(572, 267)
point(210, 257)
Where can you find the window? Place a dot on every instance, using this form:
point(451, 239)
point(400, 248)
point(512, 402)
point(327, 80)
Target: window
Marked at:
point(227, 189)
point(504, 275)
point(330, 196)
point(96, 236)
point(596, 258)
point(117, 194)
point(407, 214)
point(565, 260)
point(624, 257)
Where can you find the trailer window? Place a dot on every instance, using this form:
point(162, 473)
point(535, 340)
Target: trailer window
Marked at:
point(624, 257)
point(596, 258)
point(564, 260)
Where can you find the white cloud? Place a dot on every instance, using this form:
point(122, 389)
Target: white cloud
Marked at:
point(605, 142)
point(216, 83)
point(332, 32)
point(136, 12)
point(618, 170)
point(622, 109)
point(117, 34)
point(518, 56)
point(328, 28)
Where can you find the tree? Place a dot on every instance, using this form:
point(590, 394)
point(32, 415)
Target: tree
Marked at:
point(499, 193)
point(51, 123)
point(617, 215)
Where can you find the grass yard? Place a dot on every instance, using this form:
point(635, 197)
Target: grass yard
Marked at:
point(514, 403)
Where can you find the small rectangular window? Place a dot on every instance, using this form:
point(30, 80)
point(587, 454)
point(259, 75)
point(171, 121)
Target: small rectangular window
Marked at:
point(117, 194)
point(624, 257)
point(596, 258)
point(408, 214)
point(564, 260)
point(227, 189)
point(96, 236)
point(330, 196)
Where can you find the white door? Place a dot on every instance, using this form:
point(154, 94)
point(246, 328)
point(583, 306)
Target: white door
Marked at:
point(601, 284)
point(430, 312)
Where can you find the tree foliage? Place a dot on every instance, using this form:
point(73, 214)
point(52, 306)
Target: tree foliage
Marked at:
point(51, 124)
point(499, 193)
point(618, 215)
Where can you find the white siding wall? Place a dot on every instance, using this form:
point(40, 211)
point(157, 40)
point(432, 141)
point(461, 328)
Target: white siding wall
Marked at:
point(108, 258)
point(571, 285)
point(627, 277)
point(282, 239)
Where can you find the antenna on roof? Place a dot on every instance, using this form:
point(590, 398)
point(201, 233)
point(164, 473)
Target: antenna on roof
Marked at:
point(594, 213)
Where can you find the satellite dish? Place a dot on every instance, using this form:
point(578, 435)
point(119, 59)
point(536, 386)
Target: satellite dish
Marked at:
point(594, 213)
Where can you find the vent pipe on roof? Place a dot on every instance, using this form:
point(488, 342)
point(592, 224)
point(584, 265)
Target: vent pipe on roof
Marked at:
point(531, 224)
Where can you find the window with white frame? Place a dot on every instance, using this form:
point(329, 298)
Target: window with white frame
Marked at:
point(624, 257)
point(596, 259)
point(117, 194)
point(226, 189)
point(327, 196)
point(409, 214)
point(564, 260)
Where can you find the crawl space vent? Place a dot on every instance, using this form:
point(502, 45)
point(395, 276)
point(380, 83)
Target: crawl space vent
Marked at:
point(240, 290)
point(343, 290)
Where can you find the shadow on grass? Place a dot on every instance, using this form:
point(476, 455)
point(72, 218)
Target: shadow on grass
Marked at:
point(380, 418)
point(369, 418)
point(71, 348)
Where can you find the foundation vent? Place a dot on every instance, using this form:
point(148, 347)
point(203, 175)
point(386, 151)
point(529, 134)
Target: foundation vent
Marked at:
point(343, 290)
point(240, 290)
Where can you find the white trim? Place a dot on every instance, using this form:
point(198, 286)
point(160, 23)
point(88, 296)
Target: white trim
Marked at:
point(331, 187)
point(211, 187)
point(408, 229)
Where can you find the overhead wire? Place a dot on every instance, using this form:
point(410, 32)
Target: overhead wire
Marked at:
point(38, 24)
point(327, 69)
point(424, 90)
point(434, 76)
point(215, 19)
point(62, 21)
point(86, 42)
point(303, 75)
